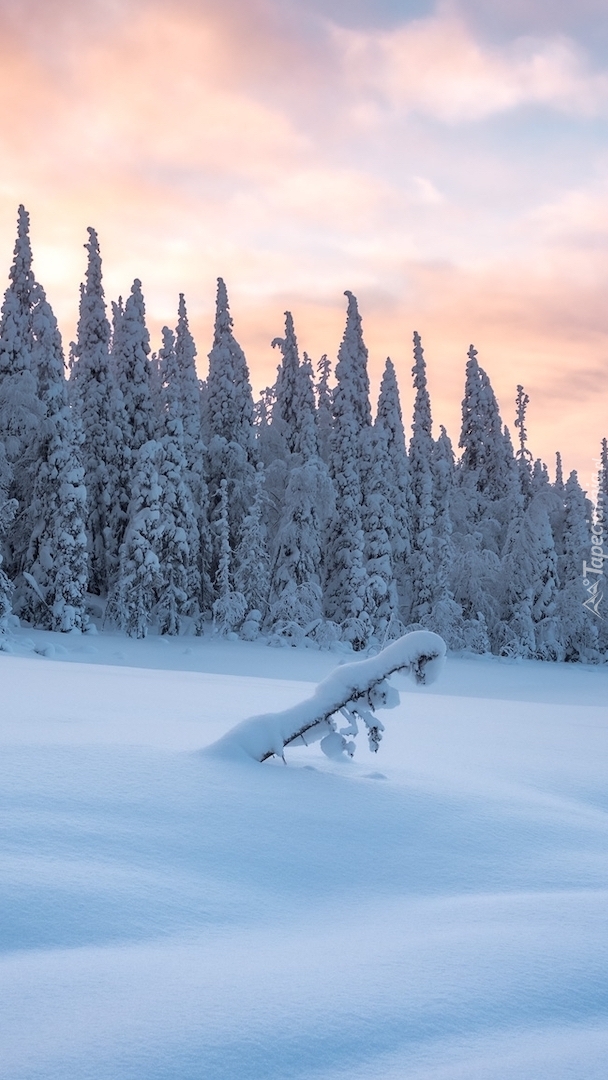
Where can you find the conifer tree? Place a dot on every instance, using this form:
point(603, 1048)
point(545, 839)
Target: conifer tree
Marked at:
point(421, 479)
point(601, 517)
point(389, 420)
point(189, 388)
point(99, 405)
point(186, 401)
point(230, 607)
point(229, 401)
point(306, 439)
point(575, 610)
point(308, 500)
point(139, 583)
point(20, 408)
point(523, 454)
point(180, 594)
point(16, 336)
point(353, 352)
point(55, 563)
point(530, 583)
point(346, 577)
point(285, 416)
point(252, 562)
point(231, 450)
point(382, 602)
point(559, 474)
point(487, 469)
point(324, 408)
point(8, 509)
point(445, 617)
point(130, 352)
point(603, 477)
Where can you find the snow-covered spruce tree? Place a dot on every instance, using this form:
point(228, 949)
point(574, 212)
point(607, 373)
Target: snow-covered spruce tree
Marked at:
point(600, 518)
point(285, 416)
point(296, 592)
point(377, 516)
point(52, 590)
point(354, 351)
point(194, 446)
point(132, 603)
point(578, 624)
point(180, 593)
point(278, 441)
point(390, 421)
point(130, 352)
point(180, 401)
point(252, 561)
point(230, 607)
point(530, 583)
point(324, 408)
point(20, 407)
point(8, 509)
point(445, 617)
point(307, 505)
point(559, 474)
point(229, 403)
point(98, 402)
point(487, 472)
point(523, 454)
point(228, 427)
point(18, 414)
point(133, 371)
point(346, 576)
point(541, 483)
point(422, 568)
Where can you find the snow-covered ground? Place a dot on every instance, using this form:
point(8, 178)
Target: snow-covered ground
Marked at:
point(434, 912)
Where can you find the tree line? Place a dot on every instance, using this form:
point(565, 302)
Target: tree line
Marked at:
point(157, 500)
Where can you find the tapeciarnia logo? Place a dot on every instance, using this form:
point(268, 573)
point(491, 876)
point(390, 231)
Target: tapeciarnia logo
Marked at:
point(593, 571)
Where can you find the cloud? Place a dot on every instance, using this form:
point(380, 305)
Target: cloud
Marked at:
point(436, 67)
point(297, 158)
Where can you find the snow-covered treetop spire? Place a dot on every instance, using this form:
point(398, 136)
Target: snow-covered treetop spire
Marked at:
point(21, 275)
point(169, 377)
point(559, 474)
point(287, 382)
point(229, 396)
point(521, 405)
point(324, 406)
point(422, 422)
point(603, 478)
point(352, 363)
point(184, 342)
point(223, 318)
point(48, 351)
point(93, 337)
point(131, 348)
point(185, 353)
point(306, 441)
point(16, 324)
point(470, 432)
point(389, 415)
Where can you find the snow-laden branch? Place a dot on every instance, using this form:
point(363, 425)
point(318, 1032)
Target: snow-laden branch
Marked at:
point(352, 690)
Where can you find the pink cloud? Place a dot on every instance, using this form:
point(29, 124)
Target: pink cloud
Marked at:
point(282, 154)
point(437, 67)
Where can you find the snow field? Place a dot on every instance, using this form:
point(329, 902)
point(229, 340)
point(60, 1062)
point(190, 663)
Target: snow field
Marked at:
point(436, 911)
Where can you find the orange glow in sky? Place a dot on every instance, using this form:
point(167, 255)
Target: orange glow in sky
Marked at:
point(447, 163)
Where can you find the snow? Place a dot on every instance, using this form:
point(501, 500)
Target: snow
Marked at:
point(170, 914)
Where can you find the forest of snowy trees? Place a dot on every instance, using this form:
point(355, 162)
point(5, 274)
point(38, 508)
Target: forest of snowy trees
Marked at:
point(135, 491)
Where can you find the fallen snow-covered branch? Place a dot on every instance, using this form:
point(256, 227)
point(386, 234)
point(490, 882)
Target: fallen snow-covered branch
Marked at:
point(353, 690)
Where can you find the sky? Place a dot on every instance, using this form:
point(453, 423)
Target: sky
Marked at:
point(447, 162)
